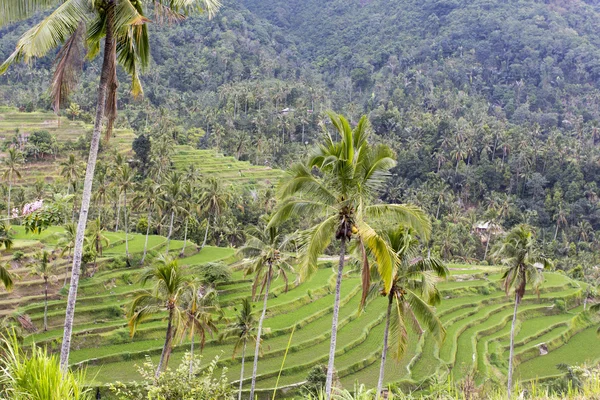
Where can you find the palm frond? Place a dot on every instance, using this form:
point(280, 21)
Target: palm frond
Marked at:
point(68, 66)
point(16, 10)
point(6, 278)
point(314, 241)
point(408, 215)
point(426, 315)
point(50, 33)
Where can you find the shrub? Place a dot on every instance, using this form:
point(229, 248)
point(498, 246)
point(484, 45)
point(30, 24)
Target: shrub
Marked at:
point(178, 384)
point(213, 273)
point(18, 255)
point(36, 375)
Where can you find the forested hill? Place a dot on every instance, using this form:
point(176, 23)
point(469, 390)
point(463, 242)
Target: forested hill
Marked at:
point(491, 106)
point(512, 52)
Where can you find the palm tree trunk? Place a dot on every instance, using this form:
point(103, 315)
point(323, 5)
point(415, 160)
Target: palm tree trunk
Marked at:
point(205, 233)
point(334, 322)
point(512, 343)
point(184, 238)
point(125, 222)
point(556, 231)
point(170, 232)
point(164, 358)
point(109, 62)
point(487, 245)
point(118, 216)
point(146, 242)
point(260, 323)
point(242, 373)
point(8, 211)
point(192, 353)
point(45, 304)
point(437, 212)
point(385, 346)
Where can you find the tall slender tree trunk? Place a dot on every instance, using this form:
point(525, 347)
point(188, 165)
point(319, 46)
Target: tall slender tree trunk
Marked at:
point(556, 231)
point(192, 354)
point(147, 233)
point(512, 344)
point(170, 232)
point(108, 64)
point(334, 322)
point(164, 356)
point(385, 345)
point(126, 224)
point(242, 373)
point(437, 212)
point(205, 233)
point(8, 210)
point(118, 212)
point(260, 323)
point(45, 304)
point(487, 245)
point(184, 238)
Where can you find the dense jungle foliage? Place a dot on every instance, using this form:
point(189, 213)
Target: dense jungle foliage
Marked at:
point(492, 107)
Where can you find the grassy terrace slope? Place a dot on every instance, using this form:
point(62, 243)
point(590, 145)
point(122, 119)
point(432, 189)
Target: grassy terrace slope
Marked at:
point(475, 311)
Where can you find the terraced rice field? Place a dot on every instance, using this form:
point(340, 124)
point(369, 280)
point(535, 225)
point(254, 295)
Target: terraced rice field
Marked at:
point(232, 171)
point(475, 311)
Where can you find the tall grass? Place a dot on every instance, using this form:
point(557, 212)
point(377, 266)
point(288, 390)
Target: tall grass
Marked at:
point(36, 375)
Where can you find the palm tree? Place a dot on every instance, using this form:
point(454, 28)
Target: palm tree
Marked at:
point(171, 192)
point(125, 182)
point(200, 305)
point(213, 201)
point(66, 242)
point(147, 198)
point(169, 287)
point(266, 260)
point(96, 239)
point(43, 267)
point(123, 26)
point(243, 329)
point(6, 277)
point(71, 171)
point(186, 206)
point(561, 219)
point(351, 174)
point(525, 263)
point(12, 163)
point(413, 291)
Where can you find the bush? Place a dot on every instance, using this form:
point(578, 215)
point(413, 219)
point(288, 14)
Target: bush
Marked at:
point(18, 255)
point(178, 384)
point(36, 375)
point(213, 273)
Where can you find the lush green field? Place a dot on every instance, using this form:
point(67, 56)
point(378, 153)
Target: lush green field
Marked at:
point(475, 311)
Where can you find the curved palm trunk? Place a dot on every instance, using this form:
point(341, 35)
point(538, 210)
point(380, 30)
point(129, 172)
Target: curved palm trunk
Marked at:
point(260, 323)
point(146, 242)
point(126, 226)
point(166, 351)
point(556, 231)
point(108, 65)
point(242, 373)
point(385, 346)
point(487, 245)
point(184, 238)
point(205, 233)
point(170, 232)
point(512, 343)
point(45, 304)
point(334, 322)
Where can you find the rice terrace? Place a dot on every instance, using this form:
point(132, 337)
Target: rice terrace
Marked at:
point(342, 200)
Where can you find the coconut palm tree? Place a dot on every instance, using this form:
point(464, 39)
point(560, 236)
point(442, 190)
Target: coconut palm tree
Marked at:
point(12, 168)
point(96, 239)
point(412, 294)
point(170, 200)
point(342, 195)
point(71, 171)
point(43, 267)
point(201, 306)
point(147, 197)
point(525, 263)
point(169, 288)
point(66, 242)
point(265, 260)
point(186, 206)
point(123, 26)
point(242, 328)
point(213, 202)
point(125, 182)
